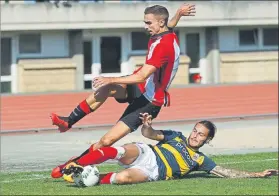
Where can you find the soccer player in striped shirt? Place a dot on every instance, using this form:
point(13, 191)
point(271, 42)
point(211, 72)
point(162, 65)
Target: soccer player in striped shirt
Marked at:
point(173, 157)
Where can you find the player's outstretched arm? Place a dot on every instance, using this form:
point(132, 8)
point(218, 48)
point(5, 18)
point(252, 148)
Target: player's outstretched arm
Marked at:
point(147, 130)
point(136, 78)
point(232, 173)
point(184, 10)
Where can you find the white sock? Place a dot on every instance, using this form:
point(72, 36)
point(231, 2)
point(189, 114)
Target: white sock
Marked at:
point(120, 152)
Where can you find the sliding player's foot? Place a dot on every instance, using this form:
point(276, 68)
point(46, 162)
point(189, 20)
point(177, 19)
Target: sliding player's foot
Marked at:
point(57, 172)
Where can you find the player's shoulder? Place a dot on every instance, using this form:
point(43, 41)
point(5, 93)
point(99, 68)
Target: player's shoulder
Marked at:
point(201, 154)
point(164, 38)
point(172, 132)
point(168, 37)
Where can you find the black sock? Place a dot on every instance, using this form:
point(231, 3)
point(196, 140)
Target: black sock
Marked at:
point(79, 112)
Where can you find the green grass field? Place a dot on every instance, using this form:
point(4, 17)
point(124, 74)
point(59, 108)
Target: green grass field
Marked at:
point(40, 183)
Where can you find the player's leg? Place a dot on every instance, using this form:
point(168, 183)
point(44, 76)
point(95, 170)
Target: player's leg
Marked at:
point(142, 168)
point(127, 153)
point(127, 176)
point(118, 131)
point(90, 104)
point(132, 153)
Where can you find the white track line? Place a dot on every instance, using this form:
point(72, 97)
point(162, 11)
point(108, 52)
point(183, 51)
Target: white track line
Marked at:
point(40, 177)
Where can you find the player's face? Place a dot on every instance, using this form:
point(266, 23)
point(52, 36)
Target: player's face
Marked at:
point(198, 136)
point(153, 24)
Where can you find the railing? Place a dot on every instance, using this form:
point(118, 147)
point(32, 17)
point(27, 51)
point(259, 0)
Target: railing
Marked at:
point(70, 1)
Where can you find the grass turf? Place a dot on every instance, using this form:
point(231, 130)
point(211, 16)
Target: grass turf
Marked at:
point(40, 183)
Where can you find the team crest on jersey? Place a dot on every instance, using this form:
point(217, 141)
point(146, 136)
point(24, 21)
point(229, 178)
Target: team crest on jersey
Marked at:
point(196, 157)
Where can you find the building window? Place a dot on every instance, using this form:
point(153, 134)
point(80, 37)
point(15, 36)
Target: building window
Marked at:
point(248, 37)
point(139, 40)
point(6, 87)
point(87, 57)
point(193, 49)
point(88, 84)
point(270, 37)
point(29, 43)
point(6, 56)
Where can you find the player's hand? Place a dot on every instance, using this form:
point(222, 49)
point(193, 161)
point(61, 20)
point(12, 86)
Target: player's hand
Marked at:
point(268, 172)
point(101, 81)
point(187, 10)
point(146, 119)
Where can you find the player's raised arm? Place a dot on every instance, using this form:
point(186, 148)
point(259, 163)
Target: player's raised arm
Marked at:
point(147, 130)
point(232, 173)
point(184, 10)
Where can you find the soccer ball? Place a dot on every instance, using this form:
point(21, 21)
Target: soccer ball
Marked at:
point(88, 177)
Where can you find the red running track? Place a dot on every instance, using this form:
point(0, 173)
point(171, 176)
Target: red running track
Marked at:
point(23, 112)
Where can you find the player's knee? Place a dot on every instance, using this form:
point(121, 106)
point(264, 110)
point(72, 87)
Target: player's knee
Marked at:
point(107, 90)
point(123, 178)
point(106, 141)
point(103, 93)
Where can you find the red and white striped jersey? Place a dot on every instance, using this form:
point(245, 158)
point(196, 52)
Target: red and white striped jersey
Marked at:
point(163, 53)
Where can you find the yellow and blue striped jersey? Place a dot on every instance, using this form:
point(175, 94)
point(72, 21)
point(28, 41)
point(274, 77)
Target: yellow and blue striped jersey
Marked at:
point(175, 158)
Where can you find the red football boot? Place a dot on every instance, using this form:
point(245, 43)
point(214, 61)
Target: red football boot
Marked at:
point(57, 171)
point(60, 121)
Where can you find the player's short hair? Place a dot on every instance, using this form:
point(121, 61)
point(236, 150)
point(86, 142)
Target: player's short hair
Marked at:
point(159, 11)
point(211, 127)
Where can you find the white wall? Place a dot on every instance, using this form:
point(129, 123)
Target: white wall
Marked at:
point(45, 16)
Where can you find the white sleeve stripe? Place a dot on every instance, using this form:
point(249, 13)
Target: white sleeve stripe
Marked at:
point(152, 47)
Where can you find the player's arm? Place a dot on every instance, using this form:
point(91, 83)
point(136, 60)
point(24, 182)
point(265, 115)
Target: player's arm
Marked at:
point(147, 130)
point(184, 10)
point(232, 173)
point(135, 78)
point(158, 135)
point(138, 77)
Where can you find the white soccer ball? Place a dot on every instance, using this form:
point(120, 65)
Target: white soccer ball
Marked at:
point(88, 177)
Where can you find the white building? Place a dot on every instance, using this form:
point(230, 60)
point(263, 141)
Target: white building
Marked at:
point(101, 37)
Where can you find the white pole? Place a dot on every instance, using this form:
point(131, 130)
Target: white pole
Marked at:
point(203, 70)
point(14, 78)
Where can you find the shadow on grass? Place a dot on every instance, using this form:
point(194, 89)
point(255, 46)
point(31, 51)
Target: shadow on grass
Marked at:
point(75, 186)
point(199, 175)
point(56, 181)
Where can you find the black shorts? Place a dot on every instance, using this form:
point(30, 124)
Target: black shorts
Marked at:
point(137, 104)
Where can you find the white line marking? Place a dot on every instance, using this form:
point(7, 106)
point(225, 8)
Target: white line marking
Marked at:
point(36, 177)
point(19, 180)
point(40, 177)
point(252, 161)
